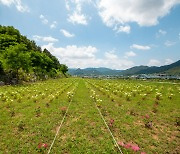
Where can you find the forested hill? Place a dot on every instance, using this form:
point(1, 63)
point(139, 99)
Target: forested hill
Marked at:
point(21, 59)
point(171, 69)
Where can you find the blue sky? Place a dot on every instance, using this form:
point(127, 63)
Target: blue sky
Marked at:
point(117, 34)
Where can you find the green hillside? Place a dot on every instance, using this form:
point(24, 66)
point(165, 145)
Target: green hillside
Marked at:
point(22, 60)
point(172, 69)
point(133, 70)
point(160, 69)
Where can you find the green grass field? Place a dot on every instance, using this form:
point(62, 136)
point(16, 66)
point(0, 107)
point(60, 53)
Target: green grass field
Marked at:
point(144, 117)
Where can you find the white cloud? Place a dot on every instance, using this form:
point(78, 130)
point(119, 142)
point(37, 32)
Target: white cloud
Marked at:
point(168, 61)
point(111, 60)
point(7, 2)
point(125, 29)
point(20, 7)
point(169, 43)
point(154, 62)
point(66, 33)
point(18, 4)
point(130, 54)
point(72, 51)
point(75, 15)
point(67, 5)
point(110, 55)
point(53, 25)
point(76, 4)
point(143, 12)
point(77, 18)
point(140, 47)
point(44, 39)
point(84, 56)
point(43, 19)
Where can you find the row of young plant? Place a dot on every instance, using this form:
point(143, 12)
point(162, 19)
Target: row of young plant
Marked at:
point(127, 147)
point(33, 109)
point(43, 147)
point(153, 101)
point(157, 95)
point(70, 95)
point(35, 93)
point(129, 91)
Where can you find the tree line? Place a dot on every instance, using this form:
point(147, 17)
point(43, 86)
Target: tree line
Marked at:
point(22, 60)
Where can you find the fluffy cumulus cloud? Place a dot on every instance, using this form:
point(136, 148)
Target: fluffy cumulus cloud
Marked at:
point(75, 14)
point(7, 2)
point(66, 33)
point(44, 38)
point(72, 51)
point(143, 12)
point(154, 62)
point(17, 3)
point(140, 47)
point(130, 54)
point(111, 60)
point(125, 29)
point(85, 56)
point(77, 18)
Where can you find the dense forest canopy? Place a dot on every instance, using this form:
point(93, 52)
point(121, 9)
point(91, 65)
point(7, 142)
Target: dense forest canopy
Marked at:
point(21, 59)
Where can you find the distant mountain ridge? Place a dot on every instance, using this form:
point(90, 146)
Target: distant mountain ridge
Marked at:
point(171, 69)
point(93, 71)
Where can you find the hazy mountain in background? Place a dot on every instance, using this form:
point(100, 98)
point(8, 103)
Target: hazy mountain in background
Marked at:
point(93, 71)
point(133, 70)
point(172, 69)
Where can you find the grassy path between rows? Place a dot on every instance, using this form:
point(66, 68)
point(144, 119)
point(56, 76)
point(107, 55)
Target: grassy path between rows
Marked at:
point(83, 130)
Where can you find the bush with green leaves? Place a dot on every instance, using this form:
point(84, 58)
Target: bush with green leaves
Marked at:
point(21, 58)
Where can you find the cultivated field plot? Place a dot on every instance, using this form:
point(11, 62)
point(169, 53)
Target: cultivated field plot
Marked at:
point(142, 117)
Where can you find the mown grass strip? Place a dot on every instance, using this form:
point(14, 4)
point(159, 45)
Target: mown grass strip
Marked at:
point(109, 129)
point(59, 128)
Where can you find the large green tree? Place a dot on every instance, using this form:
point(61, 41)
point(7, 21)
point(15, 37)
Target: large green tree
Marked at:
point(16, 58)
point(64, 68)
point(21, 58)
